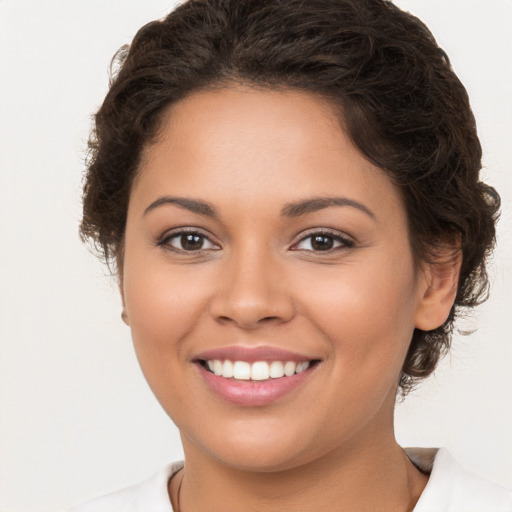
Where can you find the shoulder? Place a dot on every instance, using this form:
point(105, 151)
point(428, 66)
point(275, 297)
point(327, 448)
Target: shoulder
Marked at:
point(151, 494)
point(452, 488)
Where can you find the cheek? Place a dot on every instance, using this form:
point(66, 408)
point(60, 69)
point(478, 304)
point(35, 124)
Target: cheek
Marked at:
point(367, 313)
point(162, 304)
point(367, 319)
point(163, 307)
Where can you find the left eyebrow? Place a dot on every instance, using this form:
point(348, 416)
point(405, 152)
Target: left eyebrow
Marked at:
point(315, 204)
point(193, 205)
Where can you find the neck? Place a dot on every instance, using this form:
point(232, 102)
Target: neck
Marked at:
point(377, 477)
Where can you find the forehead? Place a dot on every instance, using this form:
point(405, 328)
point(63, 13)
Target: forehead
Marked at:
point(258, 145)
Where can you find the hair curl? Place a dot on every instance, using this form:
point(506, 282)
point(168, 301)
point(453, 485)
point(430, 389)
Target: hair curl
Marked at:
point(402, 105)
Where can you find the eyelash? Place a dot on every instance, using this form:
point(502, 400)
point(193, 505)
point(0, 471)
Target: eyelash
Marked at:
point(344, 242)
point(165, 241)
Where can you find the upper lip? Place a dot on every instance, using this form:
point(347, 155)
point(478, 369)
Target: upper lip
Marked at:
point(251, 354)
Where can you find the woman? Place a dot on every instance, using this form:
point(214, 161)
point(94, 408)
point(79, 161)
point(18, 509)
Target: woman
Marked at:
point(290, 194)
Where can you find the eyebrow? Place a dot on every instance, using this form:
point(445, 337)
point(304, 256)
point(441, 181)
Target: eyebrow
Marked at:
point(193, 205)
point(315, 204)
point(295, 209)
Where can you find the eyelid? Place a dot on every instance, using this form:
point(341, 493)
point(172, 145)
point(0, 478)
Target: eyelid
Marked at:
point(164, 240)
point(345, 240)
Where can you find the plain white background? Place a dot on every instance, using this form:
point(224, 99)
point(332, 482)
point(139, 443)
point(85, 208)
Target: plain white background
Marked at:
point(76, 417)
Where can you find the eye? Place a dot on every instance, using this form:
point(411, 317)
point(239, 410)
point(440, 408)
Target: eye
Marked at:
point(188, 241)
point(322, 242)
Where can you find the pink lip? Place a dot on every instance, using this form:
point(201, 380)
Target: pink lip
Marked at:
point(252, 354)
point(253, 393)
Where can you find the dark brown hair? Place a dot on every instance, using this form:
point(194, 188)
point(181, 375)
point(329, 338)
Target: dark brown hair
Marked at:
point(401, 103)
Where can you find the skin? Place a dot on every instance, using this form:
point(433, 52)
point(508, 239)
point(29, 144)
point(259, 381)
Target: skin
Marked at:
point(329, 444)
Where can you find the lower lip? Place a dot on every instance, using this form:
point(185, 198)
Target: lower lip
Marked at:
point(253, 393)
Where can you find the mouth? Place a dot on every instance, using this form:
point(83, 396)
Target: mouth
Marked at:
point(254, 376)
point(257, 370)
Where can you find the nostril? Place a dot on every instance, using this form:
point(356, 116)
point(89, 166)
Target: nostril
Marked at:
point(251, 310)
point(269, 319)
point(249, 323)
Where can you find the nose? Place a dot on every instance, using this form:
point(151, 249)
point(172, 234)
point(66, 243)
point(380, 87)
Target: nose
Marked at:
point(251, 292)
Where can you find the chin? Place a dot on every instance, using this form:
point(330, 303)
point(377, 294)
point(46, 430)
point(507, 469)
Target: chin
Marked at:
point(261, 448)
point(256, 460)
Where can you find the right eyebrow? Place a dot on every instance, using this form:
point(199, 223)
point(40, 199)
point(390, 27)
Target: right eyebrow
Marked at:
point(193, 205)
point(315, 204)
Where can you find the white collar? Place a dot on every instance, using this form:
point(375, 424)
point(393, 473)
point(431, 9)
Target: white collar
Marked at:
point(450, 488)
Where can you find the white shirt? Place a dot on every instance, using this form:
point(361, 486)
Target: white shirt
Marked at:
point(450, 488)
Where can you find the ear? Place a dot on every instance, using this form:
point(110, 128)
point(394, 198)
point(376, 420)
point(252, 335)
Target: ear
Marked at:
point(120, 284)
point(438, 288)
point(124, 316)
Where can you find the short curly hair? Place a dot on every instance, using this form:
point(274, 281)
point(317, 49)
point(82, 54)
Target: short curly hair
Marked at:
point(399, 101)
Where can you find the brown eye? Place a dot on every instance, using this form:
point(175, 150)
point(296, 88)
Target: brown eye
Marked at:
point(319, 242)
point(188, 242)
point(191, 242)
point(322, 242)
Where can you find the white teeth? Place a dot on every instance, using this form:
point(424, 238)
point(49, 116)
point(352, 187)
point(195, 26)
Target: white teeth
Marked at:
point(217, 367)
point(302, 366)
point(227, 369)
point(289, 368)
point(276, 369)
point(260, 370)
point(242, 370)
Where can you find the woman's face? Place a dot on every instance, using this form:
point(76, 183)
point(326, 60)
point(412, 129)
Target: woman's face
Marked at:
point(257, 233)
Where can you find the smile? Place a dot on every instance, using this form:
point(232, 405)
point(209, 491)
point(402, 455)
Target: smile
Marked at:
point(254, 376)
point(256, 371)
